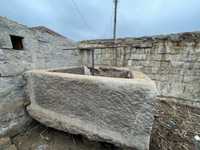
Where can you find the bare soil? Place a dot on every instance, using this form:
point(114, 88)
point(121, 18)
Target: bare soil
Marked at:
point(175, 126)
point(39, 137)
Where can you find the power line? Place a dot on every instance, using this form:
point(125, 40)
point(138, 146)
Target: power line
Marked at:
point(80, 14)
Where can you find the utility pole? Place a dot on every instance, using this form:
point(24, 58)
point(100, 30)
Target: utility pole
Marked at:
point(115, 30)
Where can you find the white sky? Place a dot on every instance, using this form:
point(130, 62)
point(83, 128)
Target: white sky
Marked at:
point(136, 17)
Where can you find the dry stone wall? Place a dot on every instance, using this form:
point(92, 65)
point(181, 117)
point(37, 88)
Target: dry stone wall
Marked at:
point(41, 50)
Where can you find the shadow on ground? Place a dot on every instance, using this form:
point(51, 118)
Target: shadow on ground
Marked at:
point(39, 137)
point(174, 128)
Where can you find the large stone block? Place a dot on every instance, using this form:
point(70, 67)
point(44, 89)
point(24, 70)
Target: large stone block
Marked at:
point(115, 105)
point(12, 111)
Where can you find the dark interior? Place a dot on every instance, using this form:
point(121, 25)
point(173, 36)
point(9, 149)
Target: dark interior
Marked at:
point(98, 71)
point(17, 42)
point(71, 70)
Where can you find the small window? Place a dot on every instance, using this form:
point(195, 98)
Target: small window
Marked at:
point(17, 42)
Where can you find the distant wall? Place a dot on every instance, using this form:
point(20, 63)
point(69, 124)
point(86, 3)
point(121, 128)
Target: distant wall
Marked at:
point(41, 50)
point(172, 61)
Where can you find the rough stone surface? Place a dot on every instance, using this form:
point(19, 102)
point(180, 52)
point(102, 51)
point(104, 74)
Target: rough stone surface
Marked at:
point(172, 61)
point(115, 110)
point(42, 49)
point(12, 111)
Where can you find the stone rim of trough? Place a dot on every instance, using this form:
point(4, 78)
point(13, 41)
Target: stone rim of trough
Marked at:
point(138, 79)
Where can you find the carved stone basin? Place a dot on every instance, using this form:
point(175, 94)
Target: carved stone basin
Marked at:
point(115, 105)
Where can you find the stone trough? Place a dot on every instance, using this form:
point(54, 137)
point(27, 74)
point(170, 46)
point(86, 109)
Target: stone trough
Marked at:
point(115, 105)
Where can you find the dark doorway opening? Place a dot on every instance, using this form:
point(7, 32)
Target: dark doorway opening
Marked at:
point(17, 42)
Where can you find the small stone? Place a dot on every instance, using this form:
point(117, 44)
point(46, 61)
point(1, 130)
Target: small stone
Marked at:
point(12, 147)
point(197, 138)
point(5, 141)
point(5, 144)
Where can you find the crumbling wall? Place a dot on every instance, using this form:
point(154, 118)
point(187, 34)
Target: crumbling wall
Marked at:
point(41, 50)
point(173, 62)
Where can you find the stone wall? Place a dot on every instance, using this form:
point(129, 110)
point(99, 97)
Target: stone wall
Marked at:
point(173, 61)
point(43, 48)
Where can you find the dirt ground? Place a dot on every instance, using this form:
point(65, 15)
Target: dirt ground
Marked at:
point(174, 128)
point(39, 137)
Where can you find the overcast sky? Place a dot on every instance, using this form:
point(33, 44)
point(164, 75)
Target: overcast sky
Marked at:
point(136, 17)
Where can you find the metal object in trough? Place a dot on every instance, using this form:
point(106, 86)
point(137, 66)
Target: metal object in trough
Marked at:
point(115, 105)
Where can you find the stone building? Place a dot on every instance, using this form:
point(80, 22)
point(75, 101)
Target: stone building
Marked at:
point(21, 49)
